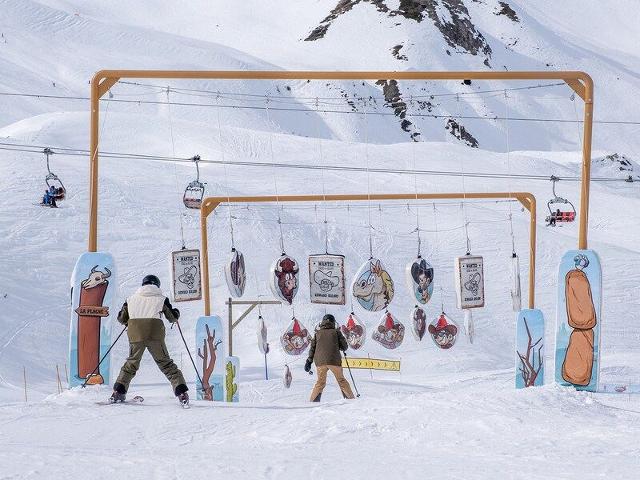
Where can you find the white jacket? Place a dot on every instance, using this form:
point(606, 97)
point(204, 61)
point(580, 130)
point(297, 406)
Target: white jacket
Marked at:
point(147, 302)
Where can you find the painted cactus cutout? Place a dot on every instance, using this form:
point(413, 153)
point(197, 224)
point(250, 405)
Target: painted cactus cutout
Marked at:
point(390, 332)
point(235, 273)
point(419, 276)
point(443, 331)
point(354, 331)
point(418, 322)
point(285, 278)
point(230, 379)
point(373, 286)
point(296, 338)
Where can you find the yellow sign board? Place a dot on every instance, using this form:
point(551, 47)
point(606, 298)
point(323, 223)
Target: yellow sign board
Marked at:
point(372, 364)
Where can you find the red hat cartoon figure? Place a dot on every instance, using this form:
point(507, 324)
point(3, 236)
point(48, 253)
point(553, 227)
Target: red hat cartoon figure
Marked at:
point(390, 332)
point(296, 338)
point(285, 282)
point(354, 331)
point(443, 331)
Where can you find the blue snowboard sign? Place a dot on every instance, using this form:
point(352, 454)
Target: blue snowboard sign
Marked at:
point(210, 347)
point(530, 348)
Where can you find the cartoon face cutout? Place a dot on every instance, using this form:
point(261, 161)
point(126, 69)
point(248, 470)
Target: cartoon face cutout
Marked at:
point(296, 338)
point(285, 282)
point(235, 273)
point(390, 332)
point(443, 331)
point(354, 331)
point(418, 322)
point(419, 275)
point(373, 286)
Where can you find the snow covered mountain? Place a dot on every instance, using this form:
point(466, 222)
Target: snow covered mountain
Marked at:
point(459, 401)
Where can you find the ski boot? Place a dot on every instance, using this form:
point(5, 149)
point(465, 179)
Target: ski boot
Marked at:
point(117, 397)
point(183, 398)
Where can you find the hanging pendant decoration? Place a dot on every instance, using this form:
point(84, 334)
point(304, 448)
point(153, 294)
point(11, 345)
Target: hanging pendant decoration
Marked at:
point(443, 331)
point(390, 332)
point(419, 276)
point(263, 344)
point(285, 278)
point(373, 286)
point(235, 274)
point(287, 378)
point(516, 293)
point(418, 322)
point(354, 331)
point(296, 338)
point(326, 279)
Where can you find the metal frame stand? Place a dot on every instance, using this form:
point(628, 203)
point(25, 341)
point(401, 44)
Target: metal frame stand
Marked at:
point(252, 304)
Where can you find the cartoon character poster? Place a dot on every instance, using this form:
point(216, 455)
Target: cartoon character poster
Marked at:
point(210, 348)
point(579, 320)
point(469, 281)
point(92, 295)
point(418, 322)
point(326, 279)
point(354, 331)
point(235, 274)
point(185, 275)
point(529, 348)
point(296, 338)
point(373, 286)
point(390, 332)
point(419, 275)
point(285, 278)
point(443, 331)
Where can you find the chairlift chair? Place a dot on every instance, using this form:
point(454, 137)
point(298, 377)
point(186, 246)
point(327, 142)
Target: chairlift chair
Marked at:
point(52, 180)
point(194, 193)
point(561, 210)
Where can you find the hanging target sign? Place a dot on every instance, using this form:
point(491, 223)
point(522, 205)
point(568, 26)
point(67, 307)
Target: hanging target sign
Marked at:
point(354, 331)
point(285, 278)
point(185, 275)
point(373, 286)
point(235, 274)
point(390, 332)
point(296, 338)
point(469, 281)
point(443, 331)
point(326, 279)
point(419, 276)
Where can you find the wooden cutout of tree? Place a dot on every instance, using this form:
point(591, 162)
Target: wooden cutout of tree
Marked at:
point(208, 356)
point(528, 368)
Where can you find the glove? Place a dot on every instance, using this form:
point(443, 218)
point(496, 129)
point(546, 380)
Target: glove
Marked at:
point(307, 365)
point(176, 313)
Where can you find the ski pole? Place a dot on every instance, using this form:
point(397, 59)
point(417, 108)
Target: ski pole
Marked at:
point(192, 362)
point(351, 374)
point(103, 357)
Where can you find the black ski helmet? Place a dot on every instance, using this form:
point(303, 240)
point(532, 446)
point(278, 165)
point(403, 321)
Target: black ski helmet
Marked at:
point(329, 318)
point(151, 280)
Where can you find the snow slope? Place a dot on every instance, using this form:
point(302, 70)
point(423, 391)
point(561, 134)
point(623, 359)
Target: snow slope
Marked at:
point(452, 413)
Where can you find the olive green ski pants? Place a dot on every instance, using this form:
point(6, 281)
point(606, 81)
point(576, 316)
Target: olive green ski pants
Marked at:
point(158, 351)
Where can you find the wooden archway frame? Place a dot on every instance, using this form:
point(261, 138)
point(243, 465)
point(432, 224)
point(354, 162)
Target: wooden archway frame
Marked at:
point(528, 200)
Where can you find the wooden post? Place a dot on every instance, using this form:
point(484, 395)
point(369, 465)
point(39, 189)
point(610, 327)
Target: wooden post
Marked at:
point(24, 376)
point(66, 374)
point(59, 381)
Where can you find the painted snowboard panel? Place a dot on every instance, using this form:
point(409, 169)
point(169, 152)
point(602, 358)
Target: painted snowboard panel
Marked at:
point(578, 320)
point(210, 347)
point(529, 348)
point(93, 285)
point(231, 380)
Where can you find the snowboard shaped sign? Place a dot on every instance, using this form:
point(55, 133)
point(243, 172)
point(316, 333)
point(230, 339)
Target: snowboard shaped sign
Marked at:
point(354, 331)
point(326, 279)
point(296, 338)
point(419, 277)
point(93, 285)
point(285, 279)
point(373, 286)
point(578, 320)
point(418, 322)
point(232, 372)
point(234, 273)
point(211, 352)
point(185, 275)
point(469, 281)
point(530, 348)
point(443, 331)
point(390, 332)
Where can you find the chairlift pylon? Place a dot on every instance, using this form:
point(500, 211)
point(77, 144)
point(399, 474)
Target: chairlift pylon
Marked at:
point(560, 209)
point(52, 180)
point(194, 193)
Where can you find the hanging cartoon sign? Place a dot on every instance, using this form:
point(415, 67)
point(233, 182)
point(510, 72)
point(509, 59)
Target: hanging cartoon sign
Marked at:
point(418, 322)
point(185, 275)
point(285, 278)
point(443, 331)
point(419, 276)
point(373, 286)
point(235, 274)
point(390, 332)
point(326, 279)
point(296, 338)
point(287, 378)
point(469, 281)
point(263, 345)
point(354, 331)
point(516, 294)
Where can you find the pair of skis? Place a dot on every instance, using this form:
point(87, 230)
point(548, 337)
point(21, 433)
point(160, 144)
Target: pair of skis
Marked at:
point(137, 400)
